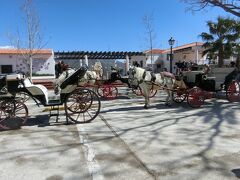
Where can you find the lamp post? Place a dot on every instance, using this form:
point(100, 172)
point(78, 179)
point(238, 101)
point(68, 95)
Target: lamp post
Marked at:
point(171, 43)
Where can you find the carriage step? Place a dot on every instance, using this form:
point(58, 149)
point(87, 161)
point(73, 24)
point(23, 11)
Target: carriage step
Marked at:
point(54, 102)
point(56, 109)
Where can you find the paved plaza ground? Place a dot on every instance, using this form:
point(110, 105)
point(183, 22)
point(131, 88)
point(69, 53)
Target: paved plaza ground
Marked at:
point(127, 142)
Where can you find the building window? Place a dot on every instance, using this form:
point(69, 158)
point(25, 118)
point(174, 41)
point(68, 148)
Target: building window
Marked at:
point(6, 69)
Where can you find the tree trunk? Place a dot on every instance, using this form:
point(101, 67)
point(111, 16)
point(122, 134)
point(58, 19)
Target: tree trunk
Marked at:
point(220, 57)
point(238, 62)
point(30, 68)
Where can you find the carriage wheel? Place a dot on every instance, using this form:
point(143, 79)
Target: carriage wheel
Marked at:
point(152, 93)
point(179, 95)
point(82, 106)
point(108, 91)
point(137, 91)
point(22, 97)
point(195, 97)
point(233, 92)
point(13, 114)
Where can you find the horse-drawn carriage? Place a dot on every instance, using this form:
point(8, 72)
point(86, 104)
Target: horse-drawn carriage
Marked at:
point(81, 105)
point(196, 86)
point(108, 88)
point(200, 86)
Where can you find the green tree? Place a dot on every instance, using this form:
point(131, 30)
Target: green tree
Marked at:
point(222, 39)
point(236, 43)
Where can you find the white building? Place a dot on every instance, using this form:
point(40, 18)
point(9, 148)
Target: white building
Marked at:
point(156, 59)
point(14, 59)
point(189, 53)
point(192, 53)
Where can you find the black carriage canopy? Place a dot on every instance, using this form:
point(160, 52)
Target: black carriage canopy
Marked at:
point(73, 79)
point(95, 55)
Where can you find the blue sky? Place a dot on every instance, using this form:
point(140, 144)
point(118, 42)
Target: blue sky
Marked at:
point(108, 25)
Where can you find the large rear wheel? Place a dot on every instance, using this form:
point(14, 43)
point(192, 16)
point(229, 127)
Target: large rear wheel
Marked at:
point(22, 97)
point(82, 106)
point(13, 114)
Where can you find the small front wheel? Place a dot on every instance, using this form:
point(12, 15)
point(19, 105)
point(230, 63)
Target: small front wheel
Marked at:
point(233, 92)
point(108, 91)
point(179, 95)
point(137, 91)
point(13, 114)
point(195, 97)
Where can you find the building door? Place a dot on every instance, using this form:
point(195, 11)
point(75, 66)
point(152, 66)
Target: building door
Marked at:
point(5, 69)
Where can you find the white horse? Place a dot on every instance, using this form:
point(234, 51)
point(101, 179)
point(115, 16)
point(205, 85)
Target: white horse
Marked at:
point(89, 79)
point(147, 80)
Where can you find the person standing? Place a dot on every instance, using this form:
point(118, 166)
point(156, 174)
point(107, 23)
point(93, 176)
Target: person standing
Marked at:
point(58, 69)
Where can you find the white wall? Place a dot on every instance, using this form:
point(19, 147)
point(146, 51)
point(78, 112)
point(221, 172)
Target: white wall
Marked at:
point(158, 59)
point(8, 60)
point(138, 59)
point(43, 64)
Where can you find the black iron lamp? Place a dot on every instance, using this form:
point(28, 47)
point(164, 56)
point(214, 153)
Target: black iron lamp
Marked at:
point(171, 42)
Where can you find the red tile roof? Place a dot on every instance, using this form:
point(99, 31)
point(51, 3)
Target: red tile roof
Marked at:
point(161, 51)
point(24, 51)
point(154, 51)
point(186, 46)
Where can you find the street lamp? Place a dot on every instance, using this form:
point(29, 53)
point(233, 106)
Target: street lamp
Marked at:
point(171, 43)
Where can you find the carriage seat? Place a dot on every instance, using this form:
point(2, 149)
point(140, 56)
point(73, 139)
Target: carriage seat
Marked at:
point(73, 78)
point(167, 74)
point(190, 76)
point(36, 89)
point(219, 74)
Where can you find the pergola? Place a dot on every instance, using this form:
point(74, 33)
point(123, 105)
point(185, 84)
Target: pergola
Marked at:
point(96, 55)
point(85, 55)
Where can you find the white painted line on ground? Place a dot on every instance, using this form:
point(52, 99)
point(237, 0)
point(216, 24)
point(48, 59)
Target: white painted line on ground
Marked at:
point(93, 166)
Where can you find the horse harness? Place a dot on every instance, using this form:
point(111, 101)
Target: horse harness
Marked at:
point(153, 77)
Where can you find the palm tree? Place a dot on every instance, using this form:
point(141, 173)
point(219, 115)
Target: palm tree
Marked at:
point(236, 43)
point(220, 41)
